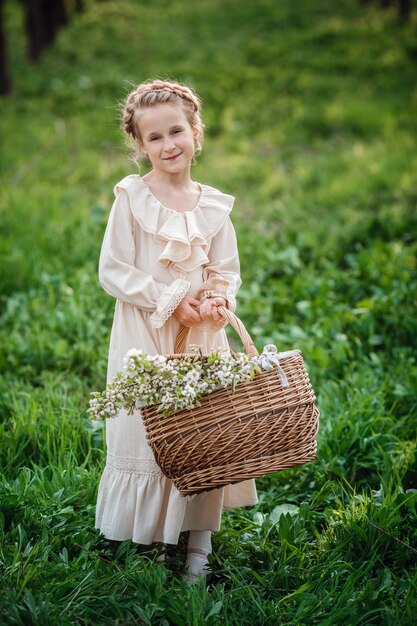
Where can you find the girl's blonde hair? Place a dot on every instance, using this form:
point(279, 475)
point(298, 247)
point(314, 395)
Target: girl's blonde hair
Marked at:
point(154, 92)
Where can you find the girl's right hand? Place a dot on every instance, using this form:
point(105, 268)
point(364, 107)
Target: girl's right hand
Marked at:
point(186, 313)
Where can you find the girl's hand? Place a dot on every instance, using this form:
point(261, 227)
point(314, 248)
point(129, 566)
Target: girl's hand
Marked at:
point(186, 313)
point(208, 309)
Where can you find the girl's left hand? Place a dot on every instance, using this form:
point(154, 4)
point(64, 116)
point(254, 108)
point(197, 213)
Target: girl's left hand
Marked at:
point(208, 309)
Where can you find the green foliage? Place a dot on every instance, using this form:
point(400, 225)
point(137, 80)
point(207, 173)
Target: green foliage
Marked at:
point(310, 116)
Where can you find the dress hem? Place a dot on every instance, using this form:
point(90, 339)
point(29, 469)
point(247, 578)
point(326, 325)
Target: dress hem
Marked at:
point(133, 505)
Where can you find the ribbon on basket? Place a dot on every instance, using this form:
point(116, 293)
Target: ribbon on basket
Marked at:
point(268, 359)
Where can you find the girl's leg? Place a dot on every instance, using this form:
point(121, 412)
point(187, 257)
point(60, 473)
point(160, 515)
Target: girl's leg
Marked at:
point(198, 549)
point(162, 552)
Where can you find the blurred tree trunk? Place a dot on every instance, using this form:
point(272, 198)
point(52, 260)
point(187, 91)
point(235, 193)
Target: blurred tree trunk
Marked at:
point(405, 8)
point(43, 19)
point(5, 81)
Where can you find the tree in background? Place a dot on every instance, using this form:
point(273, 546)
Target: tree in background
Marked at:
point(404, 6)
point(5, 80)
point(43, 20)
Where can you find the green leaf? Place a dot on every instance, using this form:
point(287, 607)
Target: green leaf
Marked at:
point(283, 509)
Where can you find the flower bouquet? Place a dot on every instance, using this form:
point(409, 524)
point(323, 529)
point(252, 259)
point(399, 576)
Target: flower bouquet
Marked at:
point(171, 383)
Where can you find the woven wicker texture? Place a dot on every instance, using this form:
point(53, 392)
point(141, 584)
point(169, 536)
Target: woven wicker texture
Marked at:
point(259, 429)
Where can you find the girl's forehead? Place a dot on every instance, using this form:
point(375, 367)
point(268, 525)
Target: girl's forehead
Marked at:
point(160, 116)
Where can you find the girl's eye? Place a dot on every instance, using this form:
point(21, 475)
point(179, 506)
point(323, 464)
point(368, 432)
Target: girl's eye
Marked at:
point(153, 138)
point(177, 130)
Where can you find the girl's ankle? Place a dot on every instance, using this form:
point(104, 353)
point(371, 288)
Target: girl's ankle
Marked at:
point(196, 567)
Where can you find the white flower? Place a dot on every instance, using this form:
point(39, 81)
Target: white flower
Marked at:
point(133, 352)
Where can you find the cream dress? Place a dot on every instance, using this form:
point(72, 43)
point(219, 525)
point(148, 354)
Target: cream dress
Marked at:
point(151, 257)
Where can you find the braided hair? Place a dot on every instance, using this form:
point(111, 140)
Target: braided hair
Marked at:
point(153, 92)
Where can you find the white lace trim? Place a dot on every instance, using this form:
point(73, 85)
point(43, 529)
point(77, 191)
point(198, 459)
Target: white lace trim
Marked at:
point(168, 302)
point(131, 465)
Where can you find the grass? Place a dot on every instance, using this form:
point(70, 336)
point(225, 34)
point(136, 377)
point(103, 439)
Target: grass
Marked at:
point(309, 108)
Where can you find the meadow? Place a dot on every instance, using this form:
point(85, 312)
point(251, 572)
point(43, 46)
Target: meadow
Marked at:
point(310, 112)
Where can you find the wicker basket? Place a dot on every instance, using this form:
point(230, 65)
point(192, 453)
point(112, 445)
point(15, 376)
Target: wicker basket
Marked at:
point(261, 428)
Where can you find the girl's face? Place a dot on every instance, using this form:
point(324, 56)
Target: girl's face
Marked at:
point(166, 137)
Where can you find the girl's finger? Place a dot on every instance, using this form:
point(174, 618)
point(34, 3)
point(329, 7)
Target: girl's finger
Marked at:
point(194, 315)
point(205, 309)
point(193, 301)
point(216, 315)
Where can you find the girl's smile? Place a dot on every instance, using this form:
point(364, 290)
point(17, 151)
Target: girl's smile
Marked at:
point(173, 157)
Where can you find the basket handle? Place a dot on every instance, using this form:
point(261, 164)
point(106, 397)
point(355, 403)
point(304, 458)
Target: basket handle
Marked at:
point(235, 322)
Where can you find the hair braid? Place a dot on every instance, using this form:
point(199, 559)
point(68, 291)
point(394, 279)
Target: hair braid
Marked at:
point(154, 92)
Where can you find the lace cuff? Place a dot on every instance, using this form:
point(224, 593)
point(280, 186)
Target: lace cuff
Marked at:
point(168, 301)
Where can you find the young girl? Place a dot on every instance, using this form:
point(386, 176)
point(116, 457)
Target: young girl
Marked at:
point(170, 257)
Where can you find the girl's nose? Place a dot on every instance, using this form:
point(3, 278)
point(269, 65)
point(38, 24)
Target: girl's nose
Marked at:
point(169, 144)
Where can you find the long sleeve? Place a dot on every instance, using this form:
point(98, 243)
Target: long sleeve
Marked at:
point(224, 261)
point(119, 276)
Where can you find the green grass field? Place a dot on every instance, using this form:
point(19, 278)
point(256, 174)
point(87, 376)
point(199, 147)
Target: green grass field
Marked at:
point(310, 110)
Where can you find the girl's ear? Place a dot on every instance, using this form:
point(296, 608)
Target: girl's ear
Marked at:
point(142, 149)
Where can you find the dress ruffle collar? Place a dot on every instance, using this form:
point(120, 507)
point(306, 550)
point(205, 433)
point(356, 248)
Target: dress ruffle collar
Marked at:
point(186, 235)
